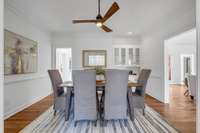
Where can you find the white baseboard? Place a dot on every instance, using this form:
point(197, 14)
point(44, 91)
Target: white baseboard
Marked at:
point(23, 106)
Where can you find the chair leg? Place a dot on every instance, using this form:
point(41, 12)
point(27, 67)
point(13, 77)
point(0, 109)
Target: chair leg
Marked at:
point(54, 112)
point(98, 104)
point(75, 123)
point(143, 111)
point(131, 108)
point(102, 106)
point(132, 114)
point(192, 97)
point(66, 118)
point(68, 106)
point(95, 123)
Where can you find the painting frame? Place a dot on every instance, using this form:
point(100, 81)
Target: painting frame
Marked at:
point(33, 52)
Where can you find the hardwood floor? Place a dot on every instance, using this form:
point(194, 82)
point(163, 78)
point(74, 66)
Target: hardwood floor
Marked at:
point(17, 122)
point(181, 112)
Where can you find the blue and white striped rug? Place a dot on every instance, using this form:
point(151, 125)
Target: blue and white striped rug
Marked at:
point(152, 122)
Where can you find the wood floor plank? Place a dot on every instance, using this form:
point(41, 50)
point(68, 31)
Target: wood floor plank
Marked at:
point(181, 112)
point(17, 122)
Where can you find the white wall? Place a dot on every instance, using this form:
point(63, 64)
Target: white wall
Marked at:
point(153, 50)
point(198, 59)
point(182, 44)
point(79, 42)
point(152, 58)
point(175, 51)
point(1, 66)
point(22, 90)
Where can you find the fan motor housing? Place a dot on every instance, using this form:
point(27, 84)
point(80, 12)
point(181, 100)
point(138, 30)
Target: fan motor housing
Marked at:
point(99, 17)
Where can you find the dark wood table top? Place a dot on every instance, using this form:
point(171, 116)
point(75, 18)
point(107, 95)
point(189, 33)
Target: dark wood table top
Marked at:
point(101, 83)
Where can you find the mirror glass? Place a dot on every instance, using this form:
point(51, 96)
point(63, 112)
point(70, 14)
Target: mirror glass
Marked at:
point(94, 58)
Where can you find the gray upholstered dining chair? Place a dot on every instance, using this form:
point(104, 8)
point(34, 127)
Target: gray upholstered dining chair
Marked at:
point(137, 99)
point(85, 104)
point(62, 99)
point(115, 101)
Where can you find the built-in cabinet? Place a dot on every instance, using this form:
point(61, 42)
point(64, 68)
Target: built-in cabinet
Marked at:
point(126, 56)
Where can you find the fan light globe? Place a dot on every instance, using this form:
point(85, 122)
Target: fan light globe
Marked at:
point(99, 24)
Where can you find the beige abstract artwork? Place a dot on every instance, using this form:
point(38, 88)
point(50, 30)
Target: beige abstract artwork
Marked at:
point(20, 54)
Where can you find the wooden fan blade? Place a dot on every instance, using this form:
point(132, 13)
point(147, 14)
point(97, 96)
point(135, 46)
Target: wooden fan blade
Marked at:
point(106, 29)
point(113, 9)
point(84, 21)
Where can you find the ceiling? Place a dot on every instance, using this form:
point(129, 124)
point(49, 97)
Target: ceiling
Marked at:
point(188, 38)
point(137, 16)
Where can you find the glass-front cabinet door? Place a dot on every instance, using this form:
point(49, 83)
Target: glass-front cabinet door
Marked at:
point(123, 56)
point(117, 56)
point(129, 56)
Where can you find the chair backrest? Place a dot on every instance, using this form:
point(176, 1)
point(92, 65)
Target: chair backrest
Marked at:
point(142, 79)
point(56, 80)
point(116, 94)
point(192, 85)
point(85, 106)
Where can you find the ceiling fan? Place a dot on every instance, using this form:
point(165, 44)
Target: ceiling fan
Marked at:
point(99, 21)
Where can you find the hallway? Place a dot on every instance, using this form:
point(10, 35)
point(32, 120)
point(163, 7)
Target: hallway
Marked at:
point(181, 111)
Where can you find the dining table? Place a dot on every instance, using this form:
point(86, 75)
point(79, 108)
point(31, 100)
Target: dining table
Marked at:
point(100, 84)
point(100, 89)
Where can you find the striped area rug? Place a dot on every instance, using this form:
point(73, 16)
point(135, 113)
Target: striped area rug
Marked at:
point(152, 122)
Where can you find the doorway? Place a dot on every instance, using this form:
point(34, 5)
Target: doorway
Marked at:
point(64, 63)
point(187, 66)
point(180, 66)
point(180, 61)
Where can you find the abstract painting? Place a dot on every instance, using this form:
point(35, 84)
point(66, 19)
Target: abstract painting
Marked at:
point(20, 54)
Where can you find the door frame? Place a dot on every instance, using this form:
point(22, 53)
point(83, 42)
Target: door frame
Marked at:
point(198, 64)
point(1, 65)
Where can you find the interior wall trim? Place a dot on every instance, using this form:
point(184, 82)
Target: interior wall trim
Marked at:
point(23, 106)
point(155, 76)
point(14, 79)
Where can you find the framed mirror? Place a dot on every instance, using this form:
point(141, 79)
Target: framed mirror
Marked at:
point(94, 58)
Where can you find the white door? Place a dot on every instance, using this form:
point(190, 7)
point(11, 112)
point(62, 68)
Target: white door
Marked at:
point(64, 63)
